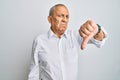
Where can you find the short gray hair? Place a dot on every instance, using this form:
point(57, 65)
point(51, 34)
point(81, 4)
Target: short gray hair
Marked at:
point(53, 8)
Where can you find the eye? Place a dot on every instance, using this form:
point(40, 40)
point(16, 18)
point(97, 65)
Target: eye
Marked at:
point(59, 15)
point(67, 16)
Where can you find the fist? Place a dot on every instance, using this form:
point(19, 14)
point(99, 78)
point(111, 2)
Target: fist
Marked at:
point(87, 31)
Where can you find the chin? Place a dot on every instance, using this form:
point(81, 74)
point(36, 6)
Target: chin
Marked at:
point(62, 31)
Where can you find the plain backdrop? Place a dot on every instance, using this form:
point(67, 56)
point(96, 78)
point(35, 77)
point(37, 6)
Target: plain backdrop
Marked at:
point(22, 20)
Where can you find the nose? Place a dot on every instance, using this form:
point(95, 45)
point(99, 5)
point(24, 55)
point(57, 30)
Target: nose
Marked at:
point(64, 19)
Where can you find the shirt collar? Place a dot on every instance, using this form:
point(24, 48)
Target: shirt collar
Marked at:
point(51, 34)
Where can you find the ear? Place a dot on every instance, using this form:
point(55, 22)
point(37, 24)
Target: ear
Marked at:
point(49, 19)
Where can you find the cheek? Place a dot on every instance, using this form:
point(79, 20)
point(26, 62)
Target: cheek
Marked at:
point(58, 21)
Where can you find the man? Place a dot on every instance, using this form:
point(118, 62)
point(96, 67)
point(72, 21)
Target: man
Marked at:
point(55, 54)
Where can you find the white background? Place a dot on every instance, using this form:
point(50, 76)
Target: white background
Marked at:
point(22, 20)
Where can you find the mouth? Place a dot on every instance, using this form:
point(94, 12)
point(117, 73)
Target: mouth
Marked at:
point(64, 24)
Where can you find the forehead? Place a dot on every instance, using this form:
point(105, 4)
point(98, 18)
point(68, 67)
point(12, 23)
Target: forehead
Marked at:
point(61, 10)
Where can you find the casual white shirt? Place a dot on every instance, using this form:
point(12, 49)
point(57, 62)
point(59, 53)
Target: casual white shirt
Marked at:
point(56, 58)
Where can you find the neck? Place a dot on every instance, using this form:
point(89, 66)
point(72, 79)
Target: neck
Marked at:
point(57, 33)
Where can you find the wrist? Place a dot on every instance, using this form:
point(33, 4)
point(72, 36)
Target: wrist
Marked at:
point(99, 28)
point(100, 34)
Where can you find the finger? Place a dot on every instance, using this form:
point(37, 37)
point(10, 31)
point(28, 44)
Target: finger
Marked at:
point(93, 25)
point(85, 31)
point(85, 40)
point(82, 34)
point(95, 30)
point(89, 28)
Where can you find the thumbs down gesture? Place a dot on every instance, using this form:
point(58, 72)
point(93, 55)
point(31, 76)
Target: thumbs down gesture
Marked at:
point(87, 31)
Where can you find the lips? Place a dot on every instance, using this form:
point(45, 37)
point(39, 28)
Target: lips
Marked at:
point(63, 24)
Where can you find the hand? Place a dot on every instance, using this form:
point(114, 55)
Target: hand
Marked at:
point(87, 31)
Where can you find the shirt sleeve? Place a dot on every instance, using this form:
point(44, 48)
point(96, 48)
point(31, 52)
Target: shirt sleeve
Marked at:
point(34, 65)
point(92, 40)
point(97, 42)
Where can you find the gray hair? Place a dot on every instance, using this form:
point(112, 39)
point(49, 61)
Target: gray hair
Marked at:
point(53, 8)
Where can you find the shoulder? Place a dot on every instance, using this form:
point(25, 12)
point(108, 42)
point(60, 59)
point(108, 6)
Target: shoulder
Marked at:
point(40, 37)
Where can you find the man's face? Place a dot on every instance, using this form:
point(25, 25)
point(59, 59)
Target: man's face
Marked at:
point(59, 20)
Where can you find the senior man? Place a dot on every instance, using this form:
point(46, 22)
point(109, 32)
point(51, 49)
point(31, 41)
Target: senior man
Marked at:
point(55, 53)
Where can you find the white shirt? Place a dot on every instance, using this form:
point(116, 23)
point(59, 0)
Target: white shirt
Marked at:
point(56, 58)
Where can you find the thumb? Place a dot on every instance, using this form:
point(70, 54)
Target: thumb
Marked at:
point(85, 40)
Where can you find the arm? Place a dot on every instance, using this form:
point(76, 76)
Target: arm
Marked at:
point(100, 35)
point(90, 32)
point(34, 66)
